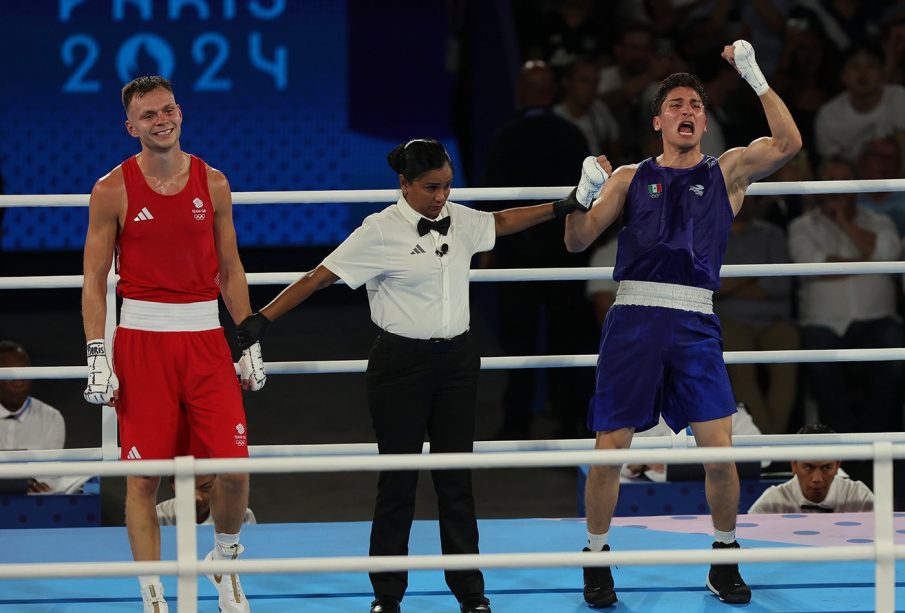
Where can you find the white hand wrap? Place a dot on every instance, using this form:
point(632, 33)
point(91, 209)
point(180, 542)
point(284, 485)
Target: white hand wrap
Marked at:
point(593, 176)
point(102, 383)
point(251, 367)
point(747, 67)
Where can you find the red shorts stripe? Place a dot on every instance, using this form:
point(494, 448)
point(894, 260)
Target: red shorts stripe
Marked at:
point(178, 395)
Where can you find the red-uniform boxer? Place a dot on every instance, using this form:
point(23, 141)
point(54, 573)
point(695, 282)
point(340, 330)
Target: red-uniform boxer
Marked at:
point(168, 217)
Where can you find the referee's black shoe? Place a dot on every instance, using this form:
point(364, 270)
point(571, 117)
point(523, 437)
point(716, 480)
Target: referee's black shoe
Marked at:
point(475, 604)
point(599, 590)
point(385, 605)
point(725, 581)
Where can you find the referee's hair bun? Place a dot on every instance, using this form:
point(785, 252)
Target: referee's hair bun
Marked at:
point(396, 158)
point(413, 158)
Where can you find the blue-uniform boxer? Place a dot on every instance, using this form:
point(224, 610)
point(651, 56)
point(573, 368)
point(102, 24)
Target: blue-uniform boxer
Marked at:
point(661, 348)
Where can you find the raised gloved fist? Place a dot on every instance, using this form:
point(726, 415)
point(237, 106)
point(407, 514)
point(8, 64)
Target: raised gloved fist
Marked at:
point(102, 382)
point(251, 368)
point(251, 330)
point(743, 59)
point(593, 176)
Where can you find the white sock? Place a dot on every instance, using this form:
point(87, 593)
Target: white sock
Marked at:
point(724, 537)
point(146, 580)
point(596, 542)
point(223, 543)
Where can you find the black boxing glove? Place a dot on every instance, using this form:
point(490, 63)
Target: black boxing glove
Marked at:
point(251, 330)
point(570, 203)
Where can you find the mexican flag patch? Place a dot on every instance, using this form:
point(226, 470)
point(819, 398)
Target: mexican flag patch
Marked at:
point(655, 189)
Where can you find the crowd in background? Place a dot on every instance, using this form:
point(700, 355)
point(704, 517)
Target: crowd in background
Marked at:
point(585, 87)
point(588, 72)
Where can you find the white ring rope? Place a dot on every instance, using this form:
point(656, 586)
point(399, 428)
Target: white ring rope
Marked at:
point(447, 562)
point(638, 442)
point(531, 274)
point(448, 461)
point(468, 194)
point(310, 367)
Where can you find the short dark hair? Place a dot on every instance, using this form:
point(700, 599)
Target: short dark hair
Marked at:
point(867, 47)
point(142, 85)
point(835, 160)
point(815, 429)
point(418, 156)
point(677, 79)
point(568, 70)
point(7, 346)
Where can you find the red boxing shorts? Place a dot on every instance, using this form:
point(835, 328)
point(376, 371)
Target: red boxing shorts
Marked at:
point(178, 393)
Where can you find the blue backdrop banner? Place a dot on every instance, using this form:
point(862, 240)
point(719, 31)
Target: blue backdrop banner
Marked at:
point(265, 88)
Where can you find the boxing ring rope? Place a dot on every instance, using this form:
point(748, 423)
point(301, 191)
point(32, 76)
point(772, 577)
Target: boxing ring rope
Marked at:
point(882, 448)
point(883, 553)
point(638, 442)
point(775, 188)
point(530, 274)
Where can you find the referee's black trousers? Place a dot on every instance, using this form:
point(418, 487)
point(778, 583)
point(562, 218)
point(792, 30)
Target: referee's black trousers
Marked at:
point(417, 388)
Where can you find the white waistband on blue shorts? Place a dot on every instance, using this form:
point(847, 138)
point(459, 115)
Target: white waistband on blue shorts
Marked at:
point(169, 317)
point(669, 295)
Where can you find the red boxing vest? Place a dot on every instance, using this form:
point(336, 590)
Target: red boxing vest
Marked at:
point(165, 251)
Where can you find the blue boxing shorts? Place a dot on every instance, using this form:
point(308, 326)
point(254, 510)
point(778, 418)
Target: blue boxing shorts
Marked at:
point(658, 360)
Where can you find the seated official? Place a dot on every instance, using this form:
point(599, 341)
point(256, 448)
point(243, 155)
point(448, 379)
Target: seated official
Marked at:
point(204, 485)
point(26, 423)
point(818, 486)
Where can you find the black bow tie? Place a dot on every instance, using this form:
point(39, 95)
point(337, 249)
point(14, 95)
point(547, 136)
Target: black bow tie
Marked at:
point(426, 225)
point(815, 508)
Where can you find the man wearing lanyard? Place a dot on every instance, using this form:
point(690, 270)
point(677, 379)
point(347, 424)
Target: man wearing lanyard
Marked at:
point(414, 257)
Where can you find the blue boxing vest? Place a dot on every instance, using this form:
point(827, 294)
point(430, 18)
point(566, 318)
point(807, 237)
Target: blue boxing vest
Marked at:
point(676, 224)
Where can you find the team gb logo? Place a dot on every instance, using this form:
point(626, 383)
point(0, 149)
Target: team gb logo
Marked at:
point(199, 212)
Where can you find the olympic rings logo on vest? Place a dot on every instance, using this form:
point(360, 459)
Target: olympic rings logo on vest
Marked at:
point(199, 212)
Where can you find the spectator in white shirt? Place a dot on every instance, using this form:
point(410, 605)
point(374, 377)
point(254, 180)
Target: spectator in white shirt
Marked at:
point(850, 311)
point(756, 314)
point(881, 159)
point(204, 485)
point(26, 422)
point(818, 486)
point(581, 107)
point(628, 85)
point(868, 109)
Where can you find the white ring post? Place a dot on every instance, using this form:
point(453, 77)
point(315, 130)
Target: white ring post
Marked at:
point(186, 535)
point(884, 536)
point(109, 448)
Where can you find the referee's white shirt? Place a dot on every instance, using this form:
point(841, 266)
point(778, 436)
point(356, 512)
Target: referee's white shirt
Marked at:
point(413, 290)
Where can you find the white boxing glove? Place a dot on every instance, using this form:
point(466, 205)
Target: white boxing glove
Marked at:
point(251, 368)
point(747, 67)
point(593, 176)
point(102, 382)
